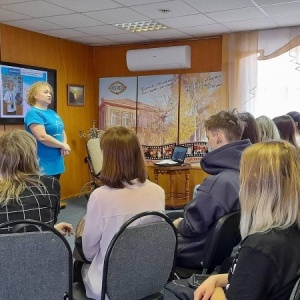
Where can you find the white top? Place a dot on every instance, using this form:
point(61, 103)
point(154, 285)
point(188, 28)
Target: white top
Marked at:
point(107, 210)
point(10, 100)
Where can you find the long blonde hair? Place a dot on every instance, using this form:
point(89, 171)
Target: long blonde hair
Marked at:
point(18, 161)
point(268, 129)
point(270, 187)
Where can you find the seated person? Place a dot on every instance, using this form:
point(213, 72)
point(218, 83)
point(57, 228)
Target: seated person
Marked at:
point(267, 128)
point(125, 193)
point(251, 130)
point(287, 129)
point(268, 262)
point(24, 192)
point(218, 194)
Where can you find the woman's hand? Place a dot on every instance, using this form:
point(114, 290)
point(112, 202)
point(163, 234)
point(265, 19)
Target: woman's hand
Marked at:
point(64, 153)
point(64, 228)
point(66, 147)
point(208, 287)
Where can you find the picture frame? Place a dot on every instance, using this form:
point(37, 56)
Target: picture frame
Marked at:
point(76, 94)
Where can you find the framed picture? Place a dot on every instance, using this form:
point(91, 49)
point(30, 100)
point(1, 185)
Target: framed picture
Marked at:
point(75, 95)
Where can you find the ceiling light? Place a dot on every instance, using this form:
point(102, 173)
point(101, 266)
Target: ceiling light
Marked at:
point(141, 26)
point(165, 10)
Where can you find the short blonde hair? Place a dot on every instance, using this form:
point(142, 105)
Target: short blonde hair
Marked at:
point(33, 90)
point(18, 161)
point(270, 187)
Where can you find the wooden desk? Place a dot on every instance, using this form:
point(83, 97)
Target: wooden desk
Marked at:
point(172, 171)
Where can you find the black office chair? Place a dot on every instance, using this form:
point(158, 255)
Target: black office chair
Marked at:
point(139, 261)
point(35, 264)
point(296, 291)
point(223, 237)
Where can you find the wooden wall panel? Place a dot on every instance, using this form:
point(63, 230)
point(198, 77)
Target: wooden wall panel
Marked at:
point(84, 65)
point(74, 64)
point(206, 57)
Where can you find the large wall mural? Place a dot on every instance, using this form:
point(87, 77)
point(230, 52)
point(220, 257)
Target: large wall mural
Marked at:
point(157, 109)
point(162, 109)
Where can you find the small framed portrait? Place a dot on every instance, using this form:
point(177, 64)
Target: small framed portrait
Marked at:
point(75, 94)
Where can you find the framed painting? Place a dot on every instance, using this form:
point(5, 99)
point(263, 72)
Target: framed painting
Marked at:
point(75, 94)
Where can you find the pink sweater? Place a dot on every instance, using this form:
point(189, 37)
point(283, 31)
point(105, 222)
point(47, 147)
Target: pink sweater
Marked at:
point(108, 209)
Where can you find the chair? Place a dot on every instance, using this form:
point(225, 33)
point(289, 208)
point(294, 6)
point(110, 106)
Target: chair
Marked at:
point(94, 160)
point(36, 264)
point(223, 237)
point(173, 215)
point(140, 260)
point(296, 291)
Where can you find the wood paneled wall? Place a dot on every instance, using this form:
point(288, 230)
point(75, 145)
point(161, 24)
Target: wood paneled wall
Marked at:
point(84, 65)
point(74, 64)
point(206, 57)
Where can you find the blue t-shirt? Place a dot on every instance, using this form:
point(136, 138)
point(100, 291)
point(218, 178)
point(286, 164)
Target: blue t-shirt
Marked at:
point(50, 159)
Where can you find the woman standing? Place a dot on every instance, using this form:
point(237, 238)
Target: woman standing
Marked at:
point(48, 128)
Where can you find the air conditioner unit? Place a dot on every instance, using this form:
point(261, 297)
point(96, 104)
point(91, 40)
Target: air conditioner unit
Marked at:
point(176, 57)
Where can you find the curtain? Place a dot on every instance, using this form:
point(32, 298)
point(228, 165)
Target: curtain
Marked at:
point(241, 53)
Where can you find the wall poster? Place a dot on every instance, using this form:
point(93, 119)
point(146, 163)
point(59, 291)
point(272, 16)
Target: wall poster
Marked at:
point(162, 109)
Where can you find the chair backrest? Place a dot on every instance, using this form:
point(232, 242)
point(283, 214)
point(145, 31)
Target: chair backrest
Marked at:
point(95, 156)
point(140, 259)
point(35, 265)
point(223, 237)
point(296, 291)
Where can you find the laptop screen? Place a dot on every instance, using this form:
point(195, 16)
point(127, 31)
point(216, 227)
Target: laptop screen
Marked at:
point(179, 154)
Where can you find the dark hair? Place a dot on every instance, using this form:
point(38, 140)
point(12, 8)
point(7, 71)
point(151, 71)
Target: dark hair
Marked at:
point(296, 117)
point(227, 121)
point(286, 127)
point(123, 159)
point(251, 130)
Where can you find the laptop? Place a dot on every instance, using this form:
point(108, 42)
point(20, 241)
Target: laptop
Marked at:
point(178, 157)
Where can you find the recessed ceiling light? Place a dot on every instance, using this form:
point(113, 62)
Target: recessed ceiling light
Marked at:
point(141, 26)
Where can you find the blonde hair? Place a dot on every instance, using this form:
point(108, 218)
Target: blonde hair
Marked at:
point(18, 161)
point(268, 129)
point(270, 187)
point(123, 159)
point(33, 90)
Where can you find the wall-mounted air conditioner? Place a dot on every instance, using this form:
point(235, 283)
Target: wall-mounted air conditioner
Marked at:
point(164, 58)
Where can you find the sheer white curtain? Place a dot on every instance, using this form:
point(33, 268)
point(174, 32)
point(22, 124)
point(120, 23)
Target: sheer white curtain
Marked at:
point(261, 70)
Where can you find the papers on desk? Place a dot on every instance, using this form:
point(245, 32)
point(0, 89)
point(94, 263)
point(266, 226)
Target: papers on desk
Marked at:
point(167, 162)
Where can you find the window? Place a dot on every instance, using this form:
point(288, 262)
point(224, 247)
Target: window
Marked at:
point(125, 121)
point(278, 85)
point(115, 118)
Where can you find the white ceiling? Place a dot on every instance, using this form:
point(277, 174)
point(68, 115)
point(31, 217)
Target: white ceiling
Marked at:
point(90, 21)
